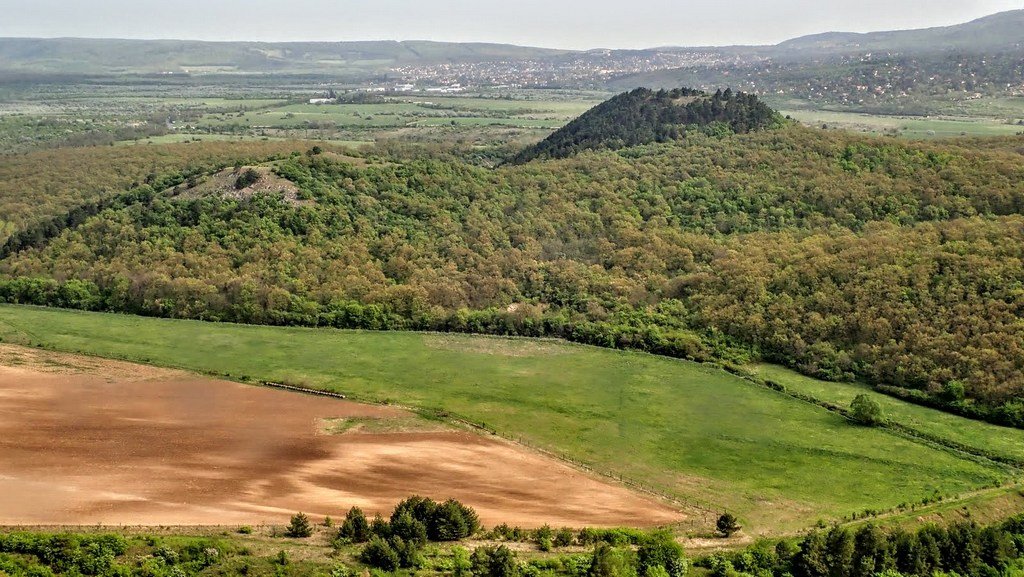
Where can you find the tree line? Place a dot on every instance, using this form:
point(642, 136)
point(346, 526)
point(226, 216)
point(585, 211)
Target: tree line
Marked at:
point(962, 548)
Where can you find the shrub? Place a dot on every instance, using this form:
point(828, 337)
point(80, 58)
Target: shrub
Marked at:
point(660, 552)
point(281, 558)
point(954, 391)
point(461, 565)
point(408, 528)
point(380, 527)
point(727, 525)
point(247, 179)
point(300, 527)
point(379, 554)
point(609, 561)
point(866, 410)
point(494, 562)
point(564, 537)
point(408, 552)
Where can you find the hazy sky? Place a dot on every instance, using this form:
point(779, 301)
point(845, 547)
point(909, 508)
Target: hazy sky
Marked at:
point(554, 23)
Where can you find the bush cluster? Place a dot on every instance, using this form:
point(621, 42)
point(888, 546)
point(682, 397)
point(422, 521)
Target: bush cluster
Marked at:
point(396, 542)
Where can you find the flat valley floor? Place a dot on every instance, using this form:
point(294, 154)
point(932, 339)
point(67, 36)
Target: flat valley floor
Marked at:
point(90, 441)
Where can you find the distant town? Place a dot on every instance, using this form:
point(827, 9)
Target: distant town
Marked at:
point(584, 70)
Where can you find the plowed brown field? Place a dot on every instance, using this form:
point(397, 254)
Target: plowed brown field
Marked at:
point(86, 441)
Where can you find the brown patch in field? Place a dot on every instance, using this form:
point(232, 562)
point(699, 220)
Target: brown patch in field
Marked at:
point(223, 184)
point(15, 360)
point(498, 346)
point(85, 441)
point(709, 545)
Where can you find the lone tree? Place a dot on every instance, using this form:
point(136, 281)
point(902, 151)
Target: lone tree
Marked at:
point(866, 410)
point(727, 525)
point(299, 527)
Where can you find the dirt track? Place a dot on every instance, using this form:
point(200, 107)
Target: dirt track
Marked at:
point(86, 441)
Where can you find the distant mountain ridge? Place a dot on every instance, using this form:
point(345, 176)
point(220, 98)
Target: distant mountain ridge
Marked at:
point(1004, 30)
point(998, 32)
point(99, 56)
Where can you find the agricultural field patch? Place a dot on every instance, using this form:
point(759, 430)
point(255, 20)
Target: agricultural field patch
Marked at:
point(912, 127)
point(708, 439)
point(87, 441)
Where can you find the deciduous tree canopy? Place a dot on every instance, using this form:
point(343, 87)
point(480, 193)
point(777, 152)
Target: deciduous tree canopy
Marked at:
point(846, 257)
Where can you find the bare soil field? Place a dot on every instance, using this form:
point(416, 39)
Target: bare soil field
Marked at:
point(90, 441)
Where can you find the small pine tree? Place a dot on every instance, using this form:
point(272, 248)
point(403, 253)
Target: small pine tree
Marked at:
point(380, 527)
point(409, 528)
point(355, 528)
point(300, 527)
point(727, 525)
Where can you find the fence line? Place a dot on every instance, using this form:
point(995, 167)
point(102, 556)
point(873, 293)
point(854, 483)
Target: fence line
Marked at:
point(305, 390)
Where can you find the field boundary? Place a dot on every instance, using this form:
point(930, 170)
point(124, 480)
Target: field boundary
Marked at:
point(448, 416)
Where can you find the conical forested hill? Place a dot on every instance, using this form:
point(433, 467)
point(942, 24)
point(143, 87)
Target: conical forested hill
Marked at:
point(644, 116)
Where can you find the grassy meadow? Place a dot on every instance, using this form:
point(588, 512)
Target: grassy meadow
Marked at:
point(709, 439)
point(411, 111)
point(913, 127)
point(1004, 441)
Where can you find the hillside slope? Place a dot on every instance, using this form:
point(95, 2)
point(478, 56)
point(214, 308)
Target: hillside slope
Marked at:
point(644, 116)
point(914, 72)
point(1003, 31)
point(846, 257)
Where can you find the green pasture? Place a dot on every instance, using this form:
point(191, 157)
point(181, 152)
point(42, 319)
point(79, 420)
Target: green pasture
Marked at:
point(419, 110)
point(1005, 441)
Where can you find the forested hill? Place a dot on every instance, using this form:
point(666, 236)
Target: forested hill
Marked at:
point(644, 116)
point(846, 257)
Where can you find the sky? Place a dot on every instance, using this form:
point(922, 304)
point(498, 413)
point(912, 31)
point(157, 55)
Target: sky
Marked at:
point(578, 24)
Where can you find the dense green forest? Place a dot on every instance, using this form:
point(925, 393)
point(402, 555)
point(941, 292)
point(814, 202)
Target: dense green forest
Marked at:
point(38, 186)
point(846, 257)
point(644, 116)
